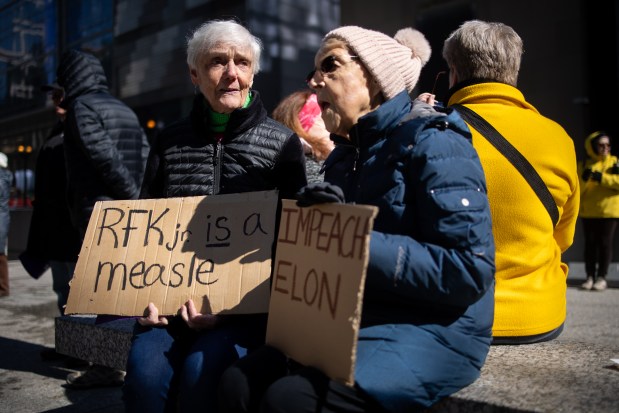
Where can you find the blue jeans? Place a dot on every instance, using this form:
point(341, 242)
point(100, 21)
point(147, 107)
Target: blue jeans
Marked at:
point(174, 368)
point(62, 272)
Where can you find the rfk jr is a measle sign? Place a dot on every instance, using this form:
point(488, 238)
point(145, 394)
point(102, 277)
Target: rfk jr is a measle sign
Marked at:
point(318, 280)
point(215, 250)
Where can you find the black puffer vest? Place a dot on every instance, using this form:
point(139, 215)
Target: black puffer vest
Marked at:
point(256, 153)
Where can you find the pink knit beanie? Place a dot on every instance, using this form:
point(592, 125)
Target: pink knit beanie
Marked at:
point(395, 62)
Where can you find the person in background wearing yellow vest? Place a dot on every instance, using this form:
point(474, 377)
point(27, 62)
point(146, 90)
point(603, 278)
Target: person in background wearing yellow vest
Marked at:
point(599, 207)
point(530, 297)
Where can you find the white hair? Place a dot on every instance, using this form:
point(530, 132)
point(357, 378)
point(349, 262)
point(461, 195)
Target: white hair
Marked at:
point(216, 32)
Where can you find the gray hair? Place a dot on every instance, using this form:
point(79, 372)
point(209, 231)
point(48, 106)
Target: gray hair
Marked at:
point(216, 32)
point(482, 50)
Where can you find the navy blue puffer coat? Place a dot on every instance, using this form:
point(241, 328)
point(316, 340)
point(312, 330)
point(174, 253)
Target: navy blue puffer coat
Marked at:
point(429, 293)
point(105, 146)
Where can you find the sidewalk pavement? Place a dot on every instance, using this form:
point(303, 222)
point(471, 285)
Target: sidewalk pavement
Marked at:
point(29, 385)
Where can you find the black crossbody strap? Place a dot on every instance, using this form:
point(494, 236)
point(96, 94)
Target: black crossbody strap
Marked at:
point(520, 162)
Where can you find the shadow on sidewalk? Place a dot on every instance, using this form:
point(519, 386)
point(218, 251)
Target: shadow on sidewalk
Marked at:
point(16, 355)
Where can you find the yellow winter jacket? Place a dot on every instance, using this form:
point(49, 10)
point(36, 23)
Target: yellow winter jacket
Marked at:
point(530, 295)
point(599, 199)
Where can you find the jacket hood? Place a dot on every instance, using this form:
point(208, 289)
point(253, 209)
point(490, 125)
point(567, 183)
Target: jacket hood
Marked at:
point(591, 153)
point(80, 74)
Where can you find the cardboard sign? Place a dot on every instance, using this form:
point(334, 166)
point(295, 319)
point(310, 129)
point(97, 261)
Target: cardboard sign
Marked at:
point(215, 250)
point(317, 285)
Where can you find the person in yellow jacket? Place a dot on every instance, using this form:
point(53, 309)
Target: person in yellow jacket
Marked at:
point(531, 280)
point(599, 207)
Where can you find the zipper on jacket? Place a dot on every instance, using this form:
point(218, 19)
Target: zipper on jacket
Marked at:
point(355, 143)
point(355, 165)
point(217, 160)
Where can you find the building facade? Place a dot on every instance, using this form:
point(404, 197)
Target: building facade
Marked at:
point(141, 44)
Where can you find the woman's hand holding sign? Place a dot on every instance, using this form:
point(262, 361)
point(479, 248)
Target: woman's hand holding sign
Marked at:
point(196, 320)
point(152, 318)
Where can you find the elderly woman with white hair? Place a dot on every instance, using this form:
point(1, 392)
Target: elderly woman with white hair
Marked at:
point(428, 299)
point(226, 145)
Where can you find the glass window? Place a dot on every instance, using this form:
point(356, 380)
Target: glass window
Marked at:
point(89, 24)
point(22, 55)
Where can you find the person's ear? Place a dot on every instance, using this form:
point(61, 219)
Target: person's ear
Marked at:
point(453, 77)
point(193, 73)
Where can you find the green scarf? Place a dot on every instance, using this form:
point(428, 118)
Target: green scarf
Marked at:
point(219, 121)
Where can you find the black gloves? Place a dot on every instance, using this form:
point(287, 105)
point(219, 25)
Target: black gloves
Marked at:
point(596, 176)
point(319, 193)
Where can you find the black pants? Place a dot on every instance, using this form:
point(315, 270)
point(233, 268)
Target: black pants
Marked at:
point(267, 381)
point(599, 234)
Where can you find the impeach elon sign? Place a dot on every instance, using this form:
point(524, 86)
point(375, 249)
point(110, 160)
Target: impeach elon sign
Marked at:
point(215, 250)
point(318, 283)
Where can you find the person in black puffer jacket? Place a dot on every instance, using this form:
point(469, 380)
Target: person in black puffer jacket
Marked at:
point(105, 154)
point(226, 145)
point(105, 146)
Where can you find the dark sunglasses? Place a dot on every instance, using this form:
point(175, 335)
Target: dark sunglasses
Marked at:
point(328, 65)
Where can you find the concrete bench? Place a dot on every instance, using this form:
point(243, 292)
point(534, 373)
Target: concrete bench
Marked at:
point(106, 344)
point(557, 376)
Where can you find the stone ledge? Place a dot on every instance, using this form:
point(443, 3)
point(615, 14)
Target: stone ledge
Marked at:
point(106, 344)
point(557, 376)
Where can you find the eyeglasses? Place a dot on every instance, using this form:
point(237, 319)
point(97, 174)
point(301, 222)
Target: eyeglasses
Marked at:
point(328, 65)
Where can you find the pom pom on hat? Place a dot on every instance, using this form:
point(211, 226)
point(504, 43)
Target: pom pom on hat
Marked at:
point(416, 41)
point(395, 63)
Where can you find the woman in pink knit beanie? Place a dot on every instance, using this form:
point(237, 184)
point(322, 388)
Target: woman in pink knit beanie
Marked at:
point(428, 299)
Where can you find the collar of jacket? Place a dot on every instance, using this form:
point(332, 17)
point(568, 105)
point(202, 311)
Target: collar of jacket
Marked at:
point(241, 119)
point(481, 91)
point(379, 122)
